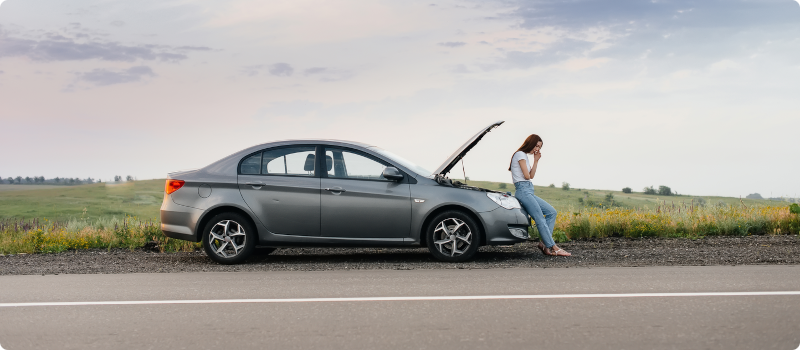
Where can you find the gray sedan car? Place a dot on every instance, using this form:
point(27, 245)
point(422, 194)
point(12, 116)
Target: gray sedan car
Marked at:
point(329, 193)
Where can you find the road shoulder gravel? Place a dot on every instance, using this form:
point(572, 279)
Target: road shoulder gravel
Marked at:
point(611, 252)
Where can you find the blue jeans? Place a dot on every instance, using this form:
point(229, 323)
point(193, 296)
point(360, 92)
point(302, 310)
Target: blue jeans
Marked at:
point(542, 212)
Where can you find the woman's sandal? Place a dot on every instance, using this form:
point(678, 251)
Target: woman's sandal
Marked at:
point(561, 252)
point(558, 252)
point(541, 247)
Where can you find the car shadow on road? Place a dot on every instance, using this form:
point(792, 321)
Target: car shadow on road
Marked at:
point(317, 258)
point(372, 256)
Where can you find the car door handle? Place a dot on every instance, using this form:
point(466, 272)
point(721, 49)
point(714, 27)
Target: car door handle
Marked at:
point(255, 184)
point(336, 189)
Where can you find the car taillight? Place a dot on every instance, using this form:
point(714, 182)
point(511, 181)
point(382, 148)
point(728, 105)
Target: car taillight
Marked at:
point(173, 185)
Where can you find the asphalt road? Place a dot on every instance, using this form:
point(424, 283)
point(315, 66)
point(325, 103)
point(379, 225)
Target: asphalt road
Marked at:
point(218, 320)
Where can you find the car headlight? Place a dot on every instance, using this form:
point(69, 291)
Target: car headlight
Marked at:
point(504, 200)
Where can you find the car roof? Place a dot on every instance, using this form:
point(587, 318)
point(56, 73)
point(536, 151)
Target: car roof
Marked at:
point(320, 141)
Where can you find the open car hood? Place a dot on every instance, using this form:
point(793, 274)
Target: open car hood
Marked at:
point(462, 151)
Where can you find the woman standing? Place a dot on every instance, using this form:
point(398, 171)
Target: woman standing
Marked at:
point(522, 172)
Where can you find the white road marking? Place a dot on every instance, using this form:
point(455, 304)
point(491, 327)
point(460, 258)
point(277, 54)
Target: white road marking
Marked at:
point(422, 298)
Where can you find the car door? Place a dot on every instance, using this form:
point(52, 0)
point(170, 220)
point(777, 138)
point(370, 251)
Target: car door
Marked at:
point(282, 187)
point(357, 202)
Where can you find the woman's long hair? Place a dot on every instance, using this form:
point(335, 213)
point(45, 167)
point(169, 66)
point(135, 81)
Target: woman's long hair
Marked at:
point(527, 146)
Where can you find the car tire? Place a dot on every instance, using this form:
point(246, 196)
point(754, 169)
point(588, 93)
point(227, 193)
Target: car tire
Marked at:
point(453, 236)
point(229, 238)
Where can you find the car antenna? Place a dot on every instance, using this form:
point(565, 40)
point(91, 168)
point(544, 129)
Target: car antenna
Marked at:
point(463, 171)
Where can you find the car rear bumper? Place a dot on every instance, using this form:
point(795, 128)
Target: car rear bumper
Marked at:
point(179, 221)
point(500, 224)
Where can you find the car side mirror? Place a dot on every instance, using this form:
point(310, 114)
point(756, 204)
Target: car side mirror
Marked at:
point(391, 173)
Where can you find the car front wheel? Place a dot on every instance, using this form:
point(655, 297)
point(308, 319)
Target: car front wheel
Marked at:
point(229, 238)
point(453, 236)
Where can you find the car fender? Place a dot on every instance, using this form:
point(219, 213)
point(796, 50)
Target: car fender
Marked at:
point(426, 200)
point(209, 213)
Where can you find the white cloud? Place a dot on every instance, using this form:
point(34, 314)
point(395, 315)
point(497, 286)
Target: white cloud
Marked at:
point(102, 77)
point(281, 70)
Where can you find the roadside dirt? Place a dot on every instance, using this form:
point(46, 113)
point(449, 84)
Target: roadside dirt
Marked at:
point(784, 250)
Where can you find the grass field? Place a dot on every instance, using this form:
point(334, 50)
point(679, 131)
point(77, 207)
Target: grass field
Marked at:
point(57, 218)
point(91, 202)
point(142, 199)
point(565, 201)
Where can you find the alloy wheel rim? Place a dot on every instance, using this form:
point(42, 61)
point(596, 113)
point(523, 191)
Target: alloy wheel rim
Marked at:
point(227, 238)
point(452, 237)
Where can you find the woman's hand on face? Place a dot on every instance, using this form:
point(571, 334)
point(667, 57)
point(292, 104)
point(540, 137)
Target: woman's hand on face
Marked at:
point(536, 156)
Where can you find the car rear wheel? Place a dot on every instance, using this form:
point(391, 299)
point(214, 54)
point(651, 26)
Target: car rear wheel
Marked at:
point(453, 236)
point(229, 238)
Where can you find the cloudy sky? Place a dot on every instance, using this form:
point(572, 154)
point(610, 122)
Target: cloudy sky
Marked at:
point(701, 96)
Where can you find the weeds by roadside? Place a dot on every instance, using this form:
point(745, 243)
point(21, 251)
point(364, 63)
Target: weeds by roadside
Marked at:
point(44, 236)
point(668, 220)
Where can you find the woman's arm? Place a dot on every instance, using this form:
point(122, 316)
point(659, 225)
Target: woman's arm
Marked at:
point(524, 165)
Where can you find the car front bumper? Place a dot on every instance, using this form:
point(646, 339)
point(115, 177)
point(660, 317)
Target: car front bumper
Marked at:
point(505, 226)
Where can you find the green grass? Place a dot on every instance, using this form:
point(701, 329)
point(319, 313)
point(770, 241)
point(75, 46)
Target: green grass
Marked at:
point(565, 201)
point(679, 221)
point(57, 218)
point(141, 199)
point(45, 236)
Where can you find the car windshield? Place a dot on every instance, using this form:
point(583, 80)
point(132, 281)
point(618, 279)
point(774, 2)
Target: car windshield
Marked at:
point(402, 161)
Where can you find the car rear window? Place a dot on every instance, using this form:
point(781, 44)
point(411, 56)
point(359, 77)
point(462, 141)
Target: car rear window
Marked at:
point(251, 165)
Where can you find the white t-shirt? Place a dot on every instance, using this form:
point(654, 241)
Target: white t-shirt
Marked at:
point(516, 171)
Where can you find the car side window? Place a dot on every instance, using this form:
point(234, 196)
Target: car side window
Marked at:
point(296, 161)
point(251, 165)
point(342, 163)
point(289, 161)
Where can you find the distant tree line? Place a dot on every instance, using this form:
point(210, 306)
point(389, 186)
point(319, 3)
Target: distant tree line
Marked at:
point(607, 202)
point(66, 181)
point(778, 199)
point(661, 191)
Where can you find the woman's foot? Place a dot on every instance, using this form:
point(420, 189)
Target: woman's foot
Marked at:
point(541, 247)
point(556, 251)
